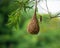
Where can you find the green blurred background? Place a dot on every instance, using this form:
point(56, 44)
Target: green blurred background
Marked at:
point(14, 18)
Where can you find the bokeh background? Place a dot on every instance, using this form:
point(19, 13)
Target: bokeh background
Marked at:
point(14, 18)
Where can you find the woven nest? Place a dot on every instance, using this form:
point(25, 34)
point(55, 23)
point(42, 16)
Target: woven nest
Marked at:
point(33, 27)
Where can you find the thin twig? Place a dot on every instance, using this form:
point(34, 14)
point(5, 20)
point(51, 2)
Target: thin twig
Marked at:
point(48, 8)
point(58, 13)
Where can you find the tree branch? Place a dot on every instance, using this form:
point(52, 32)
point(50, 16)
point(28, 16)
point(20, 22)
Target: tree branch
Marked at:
point(56, 15)
point(48, 8)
